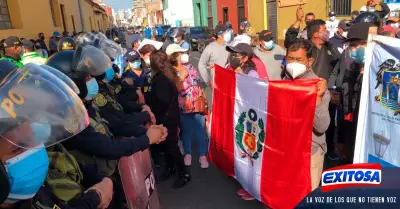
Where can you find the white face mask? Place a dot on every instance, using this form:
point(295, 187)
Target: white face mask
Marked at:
point(372, 9)
point(227, 37)
point(333, 18)
point(344, 34)
point(295, 69)
point(184, 58)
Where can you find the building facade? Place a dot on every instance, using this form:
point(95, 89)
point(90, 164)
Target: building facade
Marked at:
point(205, 13)
point(234, 11)
point(140, 3)
point(154, 13)
point(20, 19)
point(178, 12)
point(278, 16)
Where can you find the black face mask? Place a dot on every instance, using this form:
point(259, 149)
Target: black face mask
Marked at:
point(42, 37)
point(308, 23)
point(234, 62)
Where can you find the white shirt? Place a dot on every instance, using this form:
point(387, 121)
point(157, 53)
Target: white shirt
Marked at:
point(332, 26)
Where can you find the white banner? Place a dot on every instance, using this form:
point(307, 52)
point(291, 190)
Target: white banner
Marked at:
point(378, 131)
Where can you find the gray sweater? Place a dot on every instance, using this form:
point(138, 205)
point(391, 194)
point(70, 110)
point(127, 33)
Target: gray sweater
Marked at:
point(321, 117)
point(212, 54)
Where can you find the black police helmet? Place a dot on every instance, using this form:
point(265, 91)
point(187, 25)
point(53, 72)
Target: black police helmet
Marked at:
point(66, 43)
point(6, 68)
point(369, 17)
point(65, 61)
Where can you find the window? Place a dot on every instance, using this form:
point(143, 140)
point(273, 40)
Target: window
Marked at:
point(53, 15)
point(340, 7)
point(225, 14)
point(5, 22)
point(62, 7)
point(73, 22)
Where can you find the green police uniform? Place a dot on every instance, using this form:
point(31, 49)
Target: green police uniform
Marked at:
point(33, 57)
point(12, 60)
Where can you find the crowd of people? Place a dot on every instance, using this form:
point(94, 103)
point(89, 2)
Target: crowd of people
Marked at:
point(69, 113)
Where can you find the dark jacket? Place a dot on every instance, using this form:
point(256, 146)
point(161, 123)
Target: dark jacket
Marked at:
point(163, 101)
point(126, 96)
point(337, 42)
point(385, 10)
point(292, 34)
point(53, 44)
point(42, 44)
point(325, 61)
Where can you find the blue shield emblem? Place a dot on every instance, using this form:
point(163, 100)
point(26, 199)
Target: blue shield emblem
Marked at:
point(390, 90)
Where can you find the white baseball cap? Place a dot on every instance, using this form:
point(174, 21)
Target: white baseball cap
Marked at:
point(172, 48)
point(240, 39)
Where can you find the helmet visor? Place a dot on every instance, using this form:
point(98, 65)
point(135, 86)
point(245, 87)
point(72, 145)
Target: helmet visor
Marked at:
point(109, 47)
point(93, 60)
point(63, 77)
point(38, 108)
point(85, 38)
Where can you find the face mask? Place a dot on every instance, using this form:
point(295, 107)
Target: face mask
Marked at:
point(109, 75)
point(42, 37)
point(295, 69)
point(234, 62)
point(308, 23)
point(93, 89)
point(325, 36)
point(26, 173)
point(135, 65)
point(372, 9)
point(395, 25)
point(184, 58)
point(227, 37)
point(176, 40)
point(268, 45)
point(344, 34)
point(333, 18)
point(147, 61)
point(358, 55)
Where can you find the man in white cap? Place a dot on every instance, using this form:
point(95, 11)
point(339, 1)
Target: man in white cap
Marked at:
point(332, 24)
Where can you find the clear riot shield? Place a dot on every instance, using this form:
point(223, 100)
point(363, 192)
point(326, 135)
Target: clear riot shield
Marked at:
point(120, 62)
point(138, 181)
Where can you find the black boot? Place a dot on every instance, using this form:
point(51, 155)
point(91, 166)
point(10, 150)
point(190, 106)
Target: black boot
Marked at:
point(182, 180)
point(167, 173)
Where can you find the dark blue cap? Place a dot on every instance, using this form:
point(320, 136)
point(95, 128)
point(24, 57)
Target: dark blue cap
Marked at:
point(132, 56)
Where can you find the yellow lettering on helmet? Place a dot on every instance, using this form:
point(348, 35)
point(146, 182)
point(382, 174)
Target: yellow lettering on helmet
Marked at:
point(15, 97)
point(8, 106)
point(8, 103)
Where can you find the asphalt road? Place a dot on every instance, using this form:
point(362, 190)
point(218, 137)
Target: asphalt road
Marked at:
point(209, 188)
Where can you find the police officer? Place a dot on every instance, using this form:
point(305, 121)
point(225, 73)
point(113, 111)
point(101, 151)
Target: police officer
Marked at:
point(66, 43)
point(38, 110)
point(13, 50)
point(140, 76)
point(30, 55)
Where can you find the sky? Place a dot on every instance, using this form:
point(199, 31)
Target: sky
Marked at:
point(119, 4)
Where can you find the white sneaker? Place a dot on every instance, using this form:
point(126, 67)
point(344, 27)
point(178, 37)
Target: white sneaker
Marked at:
point(203, 162)
point(188, 160)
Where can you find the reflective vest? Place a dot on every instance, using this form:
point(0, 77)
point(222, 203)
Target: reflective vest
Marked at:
point(16, 63)
point(33, 57)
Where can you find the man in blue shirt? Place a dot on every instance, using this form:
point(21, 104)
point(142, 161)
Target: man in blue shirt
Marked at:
point(147, 32)
point(179, 39)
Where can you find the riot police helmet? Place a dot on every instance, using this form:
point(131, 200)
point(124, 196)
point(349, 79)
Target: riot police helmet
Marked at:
point(37, 110)
point(87, 38)
point(109, 47)
point(66, 43)
point(369, 17)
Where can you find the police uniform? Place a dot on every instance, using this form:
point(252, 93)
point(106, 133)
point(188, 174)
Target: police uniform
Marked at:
point(126, 96)
point(141, 81)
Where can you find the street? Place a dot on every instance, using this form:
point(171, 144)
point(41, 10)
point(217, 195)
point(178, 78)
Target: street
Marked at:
point(208, 189)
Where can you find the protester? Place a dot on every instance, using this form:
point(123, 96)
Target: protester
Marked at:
point(65, 34)
point(41, 41)
point(30, 55)
point(244, 25)
point(388, 31)
point(354, 14)
point(40, 51)
point(163, 101)
point(145, 53)
point(214, 53)
point(332, 24)
point(294, 33)
point(370, 7)
point(192, 102)
point(147, 32)
point(13, 50)
point(270, 54)
point(351, 90)
point(340, 35)
point(393, 22)
point(53, 43)
point(179, 38)
point(299, 66)
point(240, 59)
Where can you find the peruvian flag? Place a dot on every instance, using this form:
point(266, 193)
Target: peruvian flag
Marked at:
point(261, 133)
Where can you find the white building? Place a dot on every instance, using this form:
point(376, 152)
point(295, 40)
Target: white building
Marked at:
point(179, 11)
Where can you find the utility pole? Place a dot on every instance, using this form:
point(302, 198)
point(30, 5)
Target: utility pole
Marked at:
point(81, 12)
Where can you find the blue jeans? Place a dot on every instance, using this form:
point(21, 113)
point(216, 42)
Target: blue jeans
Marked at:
point(193, 122)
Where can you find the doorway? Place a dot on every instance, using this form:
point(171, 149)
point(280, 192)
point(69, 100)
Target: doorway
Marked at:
point(225, 14)
point(272, 13)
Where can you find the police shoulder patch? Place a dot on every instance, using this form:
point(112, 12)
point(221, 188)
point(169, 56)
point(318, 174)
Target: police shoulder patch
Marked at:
point(100, 100)
point(56, 207)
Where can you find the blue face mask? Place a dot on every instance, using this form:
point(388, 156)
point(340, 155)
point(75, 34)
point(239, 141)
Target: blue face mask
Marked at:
point(26, 173)
point(93, 89)
point(176, 40)
point(358, 55)
point(268, 45)
point(135, 65)
point(109, 75)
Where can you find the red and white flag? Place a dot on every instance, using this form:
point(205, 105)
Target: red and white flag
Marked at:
point(261, 134)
